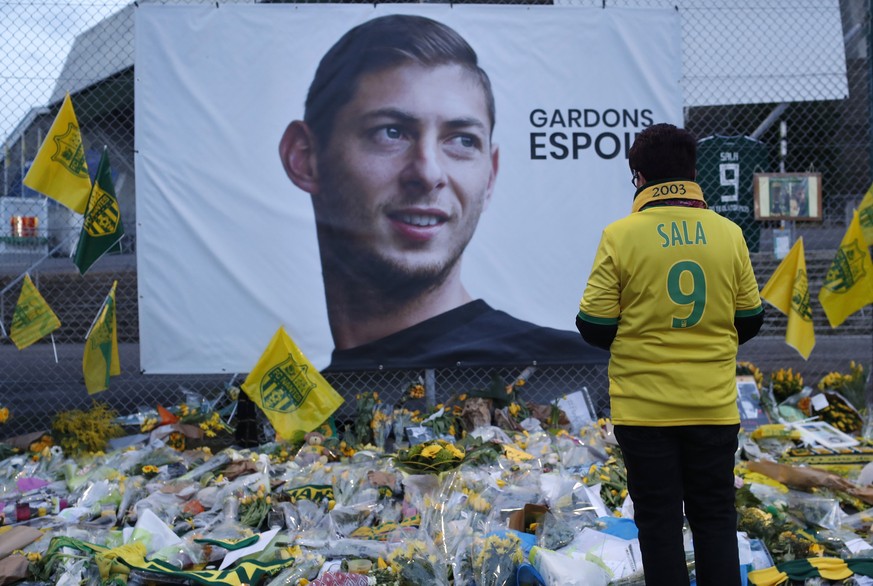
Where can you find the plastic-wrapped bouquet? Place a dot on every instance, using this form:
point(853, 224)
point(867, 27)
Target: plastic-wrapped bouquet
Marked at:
point(851, 385)
point(498, 559)
point(416, 564)
point(430, 457)
point(367, 405)
point(612, 477)
point(785, 383)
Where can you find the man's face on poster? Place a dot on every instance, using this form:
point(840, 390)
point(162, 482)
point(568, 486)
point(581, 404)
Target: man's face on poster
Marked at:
point(407, 171)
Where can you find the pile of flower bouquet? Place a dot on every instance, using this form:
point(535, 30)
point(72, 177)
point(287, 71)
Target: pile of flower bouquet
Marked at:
point(470, 492)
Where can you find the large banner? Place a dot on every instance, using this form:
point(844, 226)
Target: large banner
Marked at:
point(398, 185)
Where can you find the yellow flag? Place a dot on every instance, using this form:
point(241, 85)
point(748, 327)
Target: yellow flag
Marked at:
point(289, 389)
point(33, 318)
point(865, 216)
point(59, 170)
point(100, 360)
point(848, 285)
point(788, 291)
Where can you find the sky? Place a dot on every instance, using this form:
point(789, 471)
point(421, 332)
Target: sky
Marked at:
point(36, 36)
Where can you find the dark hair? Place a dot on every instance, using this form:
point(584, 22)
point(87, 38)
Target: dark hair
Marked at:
point(379, 44)
point(663, 151)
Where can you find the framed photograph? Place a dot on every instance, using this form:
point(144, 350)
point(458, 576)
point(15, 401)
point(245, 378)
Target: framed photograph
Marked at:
point(788, 196)
point(752, 413)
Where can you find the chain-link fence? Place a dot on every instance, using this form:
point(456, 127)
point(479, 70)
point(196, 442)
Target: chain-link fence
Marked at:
point(815, 118)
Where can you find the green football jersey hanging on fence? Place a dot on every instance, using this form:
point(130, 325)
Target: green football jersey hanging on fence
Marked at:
point(725, 168)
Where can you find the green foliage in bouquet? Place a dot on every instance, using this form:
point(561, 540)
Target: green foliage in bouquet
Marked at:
point(851, 385)
point(612, 477)
point(431, 457)
point(86, 431)
point(412, 565)
point(479, 452)
point(446, 424)
point(499, 558)
point(367, 404)
point(253, 508)
point(783, 536)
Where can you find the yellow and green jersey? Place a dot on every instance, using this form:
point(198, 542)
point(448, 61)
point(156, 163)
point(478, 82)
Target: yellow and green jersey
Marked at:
point(673, 279)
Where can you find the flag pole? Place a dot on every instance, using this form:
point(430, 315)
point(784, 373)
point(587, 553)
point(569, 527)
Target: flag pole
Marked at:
point(96, 317)
point(2, 329)
point(54, 348)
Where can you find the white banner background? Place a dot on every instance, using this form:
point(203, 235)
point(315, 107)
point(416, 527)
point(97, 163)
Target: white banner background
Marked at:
point(226, 244)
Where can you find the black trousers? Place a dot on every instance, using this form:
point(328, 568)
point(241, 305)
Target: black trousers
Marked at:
point(694, 465)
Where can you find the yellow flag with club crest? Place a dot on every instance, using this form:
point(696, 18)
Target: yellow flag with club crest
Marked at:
point(788, 291)
point(848, 285)
point(100, 360)
point(59, 170)
point(33, 318)
point(289, 389)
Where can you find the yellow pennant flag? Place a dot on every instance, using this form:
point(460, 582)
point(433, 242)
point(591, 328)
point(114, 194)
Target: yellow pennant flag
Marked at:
point(289, 389)
point(100, 360)
point(59, 170)
point(33, 318)
point(848, 285)
point(788, 291)
point(865, 216)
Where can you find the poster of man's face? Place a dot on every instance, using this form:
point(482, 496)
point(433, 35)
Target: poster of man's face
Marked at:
point(263, 180)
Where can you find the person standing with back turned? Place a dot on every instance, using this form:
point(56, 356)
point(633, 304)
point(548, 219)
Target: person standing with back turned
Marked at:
point(671, 294)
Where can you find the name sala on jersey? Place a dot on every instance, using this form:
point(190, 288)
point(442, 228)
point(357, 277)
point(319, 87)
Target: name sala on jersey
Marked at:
point(681, 234)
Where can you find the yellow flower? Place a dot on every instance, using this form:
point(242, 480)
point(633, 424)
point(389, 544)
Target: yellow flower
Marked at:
point(514, 409)
point(455, 451)
point(416, 391)
point(4, 414)
point(431, 451)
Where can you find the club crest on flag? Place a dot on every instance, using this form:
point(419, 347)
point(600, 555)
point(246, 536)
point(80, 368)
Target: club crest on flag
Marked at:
point(70, 153)
point(32, 318)
point(103, 214)
point(289, 389)
point(865, 217)
point(800, 296)
point(285, 386)
point(788, 291)
point(847, 268)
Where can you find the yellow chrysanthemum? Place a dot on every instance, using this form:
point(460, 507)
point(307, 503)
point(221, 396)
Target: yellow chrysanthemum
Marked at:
point(431, 451)
point(457, 453)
